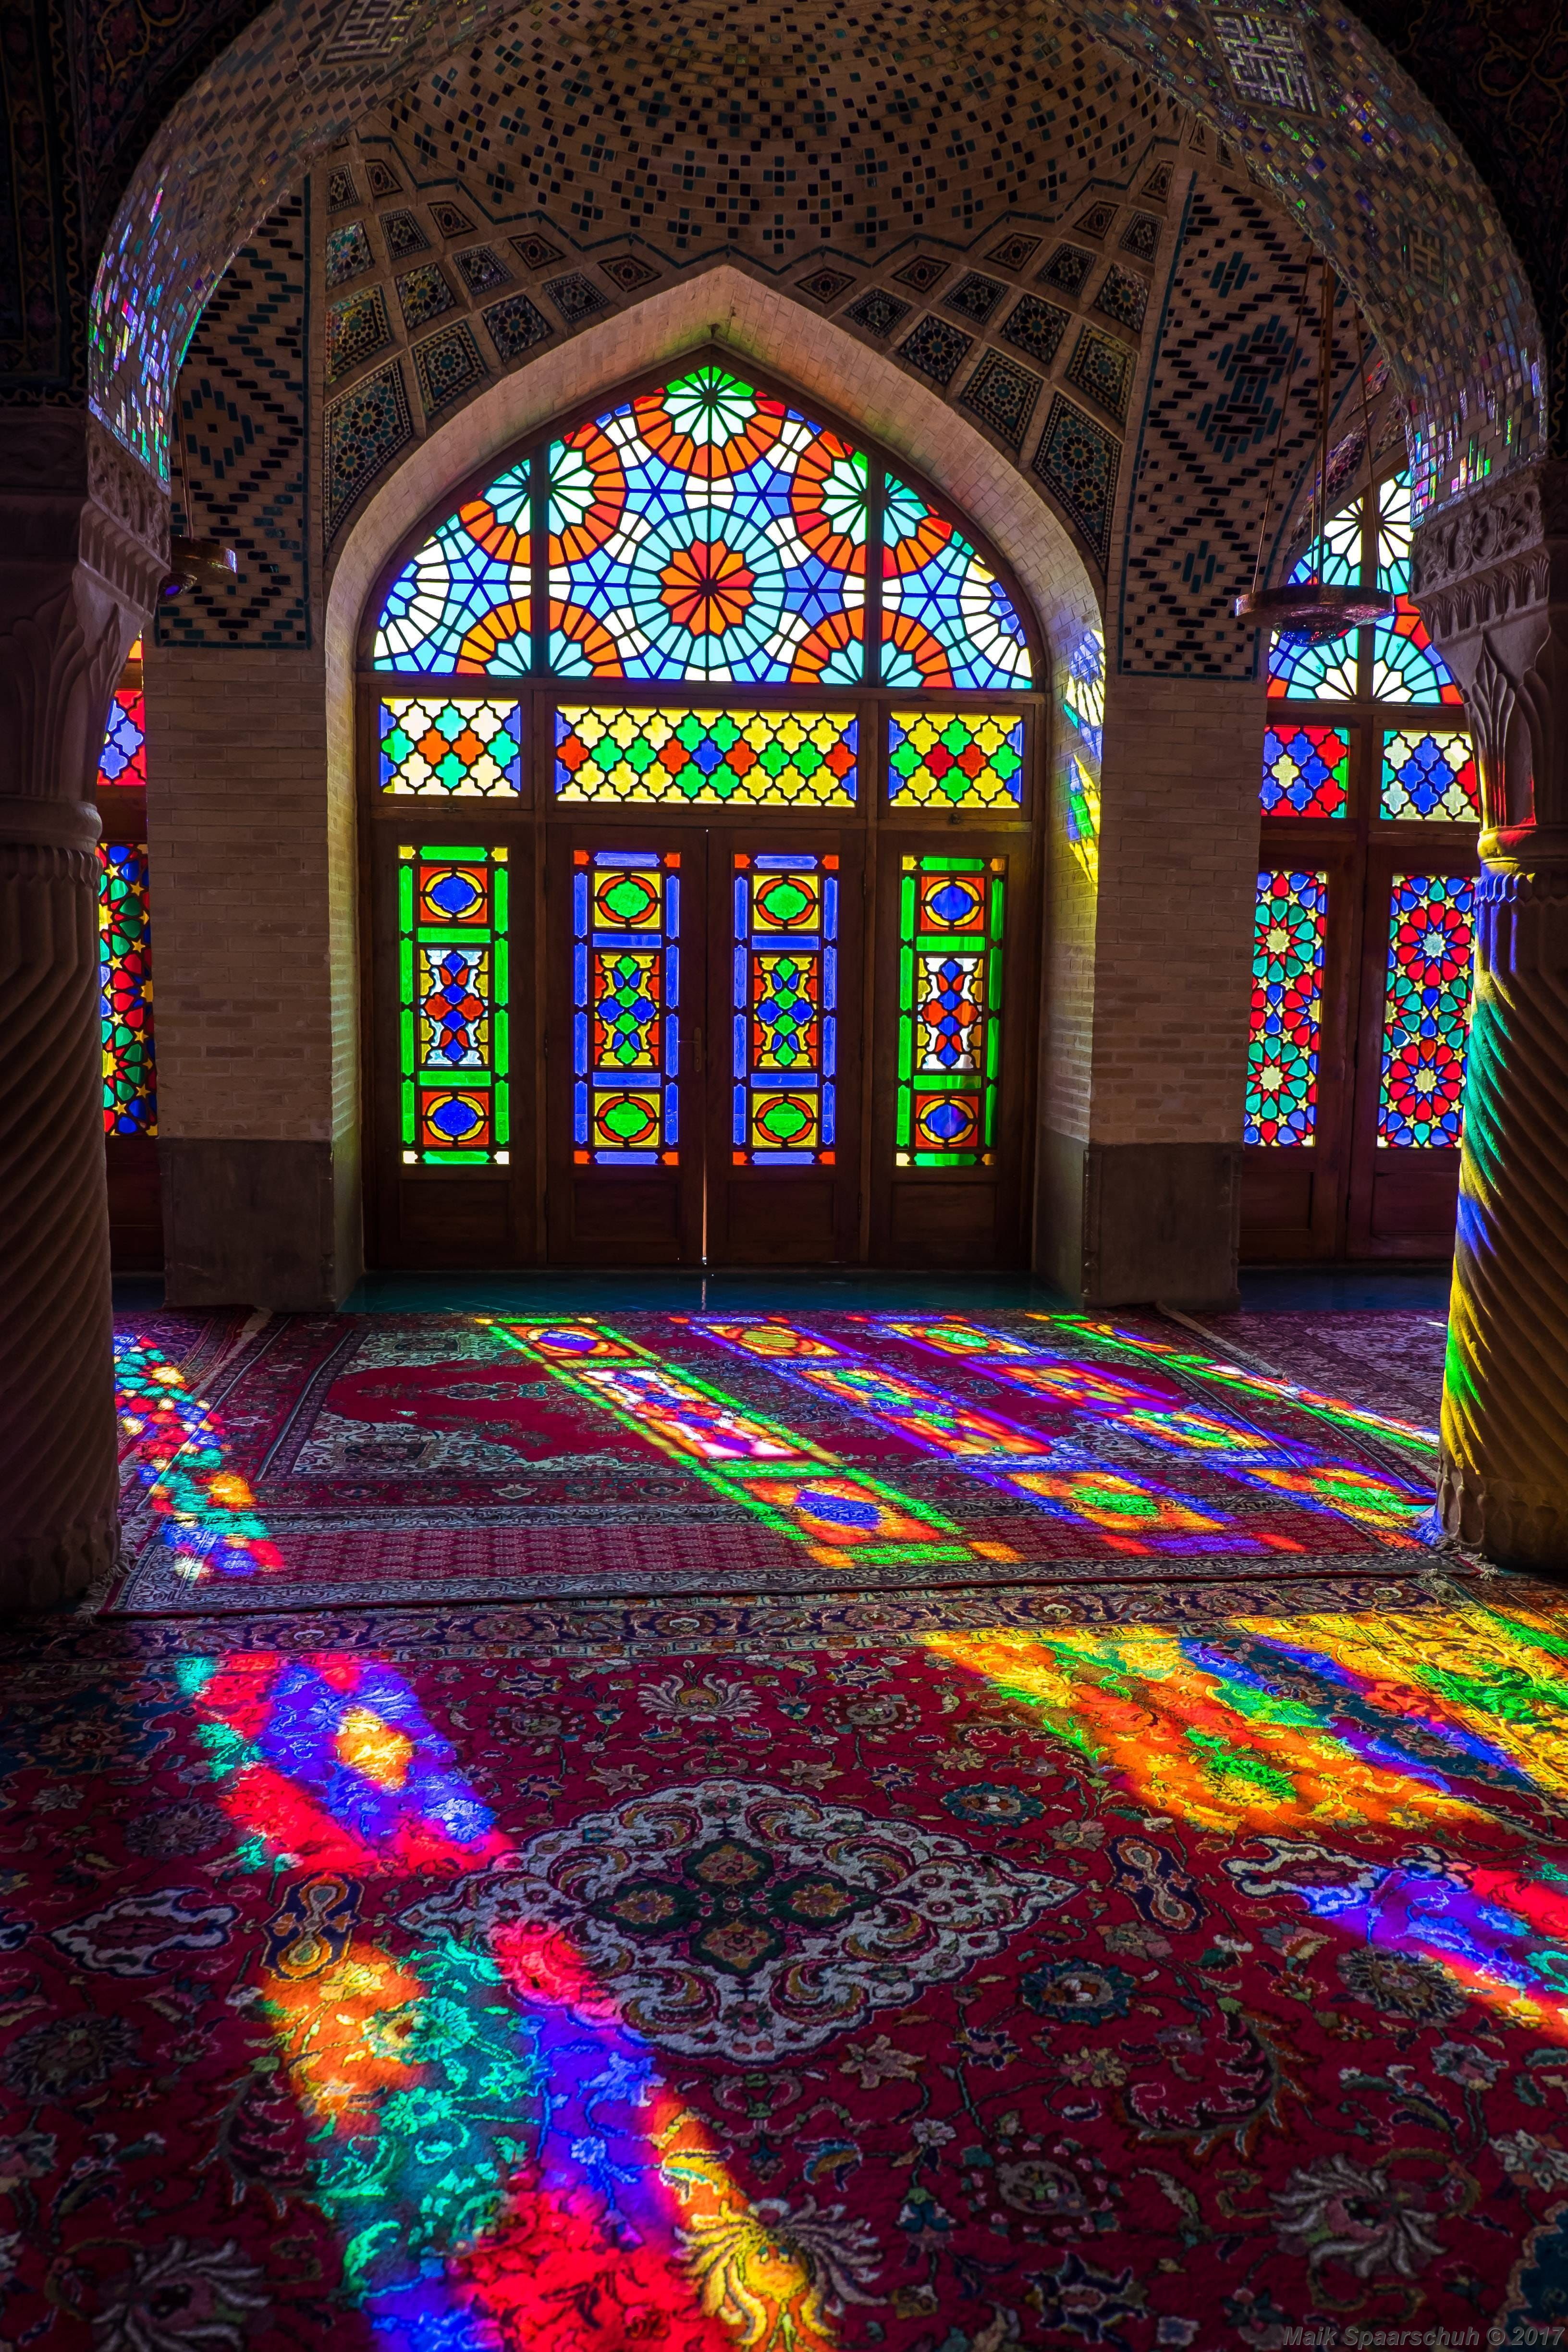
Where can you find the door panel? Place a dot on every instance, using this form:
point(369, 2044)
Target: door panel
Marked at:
point(624, 1087)
point(785, 927)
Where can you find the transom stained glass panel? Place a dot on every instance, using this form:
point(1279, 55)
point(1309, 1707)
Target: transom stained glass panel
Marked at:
point(1287, 1008)
point(455, 1073)
point(707, 530)
point(1405, 665)
point(785, 1010)
point(947, 620)
point(1426, 1010)
point(626, 994)
point(125, 990)
point(951, 914)
point(123, 764)
point(740, 758)
point(1314, 673)
point(437, 747)
point(462, 602)
point(1429, 776)
point(951, 758)
point(1306, 771)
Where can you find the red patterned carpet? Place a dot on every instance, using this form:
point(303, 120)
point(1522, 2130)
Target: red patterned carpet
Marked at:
point(1134, 1947)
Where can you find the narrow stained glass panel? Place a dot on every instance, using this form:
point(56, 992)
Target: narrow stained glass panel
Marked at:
point(1405, 665)
point(779, 759)
point(125, 990)
point(950, 912)
point(1426, 1010)
point(708, 530)
point(785, 1010)
point(123, 764)
point(455, 1073)
point(1430, 776)
point(1287, 1008)
point(1394, 526)
point(461, 602)
point(1313, 673)
point(1306, 771)
point(626, 998)
point(437, 749)
point(1336, 557)
point(947, 620)
point(950, 759)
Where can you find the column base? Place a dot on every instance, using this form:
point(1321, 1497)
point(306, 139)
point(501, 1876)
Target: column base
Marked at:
point(1506, 1524)
point(253, 1224)
point(54, 1568)
point(1122, 1225)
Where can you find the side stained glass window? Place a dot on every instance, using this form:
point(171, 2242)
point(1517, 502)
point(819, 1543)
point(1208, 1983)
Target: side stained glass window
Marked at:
point(947, 620)
point(461, 603)
point(757, 759)
point(951, 914)
point(437, 747)
point(626, 995)
point(122, 762)
point(953, 759)
point(454, 1106)
point(784, 1056)
point(1427, 1009)
point(1314, 673)
point(1306, 770)
point(1287, 1007)
point(1405, 665)
point(1429, 776)
point(125, 987)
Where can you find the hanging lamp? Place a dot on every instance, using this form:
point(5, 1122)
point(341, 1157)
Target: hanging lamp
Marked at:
point(1313, 611)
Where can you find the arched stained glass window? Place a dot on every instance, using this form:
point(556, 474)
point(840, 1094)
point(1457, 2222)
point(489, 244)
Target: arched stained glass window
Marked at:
point(706, 532)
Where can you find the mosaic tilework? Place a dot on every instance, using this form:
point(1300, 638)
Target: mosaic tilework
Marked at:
point(1096, 221)
point(878, 312)
point(627, 273)
point(404, 235)
point(451, 220)
point(424, 294)
point(516, 325)
point(825, 285)
point(1067, 268)
point(383, 180)
point(482, 270)
point(1140, 238)
point(340, 190)
point(536, 252)
point(364, 431)
point(357, 329)
point(1157, 186)
point(936, 349)
point(1014, 252)
point(1123, 298)
point(1077, 461)
point(974, 298)
point(447, 365)
point(1036, 325)
point(347, 252)
point(243, 400)
point(575, 297)
point(1002, 396)
point(1102, 368)
point(922, 275)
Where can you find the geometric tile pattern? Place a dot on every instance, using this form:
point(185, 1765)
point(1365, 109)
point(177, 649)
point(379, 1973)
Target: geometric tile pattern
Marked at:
point(347, 252)
point(1078, 462)
point(974, 298)
point(878, 312)
point(357, 328)
point(424, 294)
point(1002, 396)
point(935, 348)
point(447, 365)
point(1123, 298)
point(1068, 268)
point(365, 430)
point(241, 406)
point(1037, 327)
point(482, 270)
point(1102, 368)
point(515, 326)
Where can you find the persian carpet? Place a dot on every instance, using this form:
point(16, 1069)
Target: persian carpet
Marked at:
point(369, 1460)
point(1186, 1968)
point(1391, 1361)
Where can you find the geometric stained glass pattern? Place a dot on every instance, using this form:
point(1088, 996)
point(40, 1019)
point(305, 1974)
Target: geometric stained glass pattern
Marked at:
point(626, 996)
point(1306, 771)
point(1426, 1010)
point(125, 990)
point(1287, 1008)
point(123, 760)
point(1430, 776)
point(746, 759)
point(461, 603)
point(784, 1011)
point(434, 747)
point(1313, 673)
point(453, 1094)
point(1405, 665)
point(949, 1008)
point(951, 758)
point(707, 530)
point(947, 620)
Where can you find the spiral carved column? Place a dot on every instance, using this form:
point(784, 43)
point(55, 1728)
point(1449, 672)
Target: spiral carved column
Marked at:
point(82, 535)
point(1492, 582)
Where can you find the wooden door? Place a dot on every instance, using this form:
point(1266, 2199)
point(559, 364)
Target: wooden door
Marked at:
point(783, 1046)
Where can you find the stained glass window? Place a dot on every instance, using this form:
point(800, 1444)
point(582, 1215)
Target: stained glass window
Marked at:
point(1393, 527)
point(951, 758)
point(1430, 776)
point(125, 989)
point(1287, 1008)
point(626, 994)
point(123, 764)
point(454, 996)
point(950, 1011)
point(462, 602)
point(742, 758)
point(946, 618)
point(434, 747)
point(785, 1010)
point(1306, 771)
point(1427, 1009)
point(1336, 557)
point(1313, 673)
point(1405, 665)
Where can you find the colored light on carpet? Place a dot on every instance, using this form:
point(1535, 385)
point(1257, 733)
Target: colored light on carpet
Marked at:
point(206, 1513)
